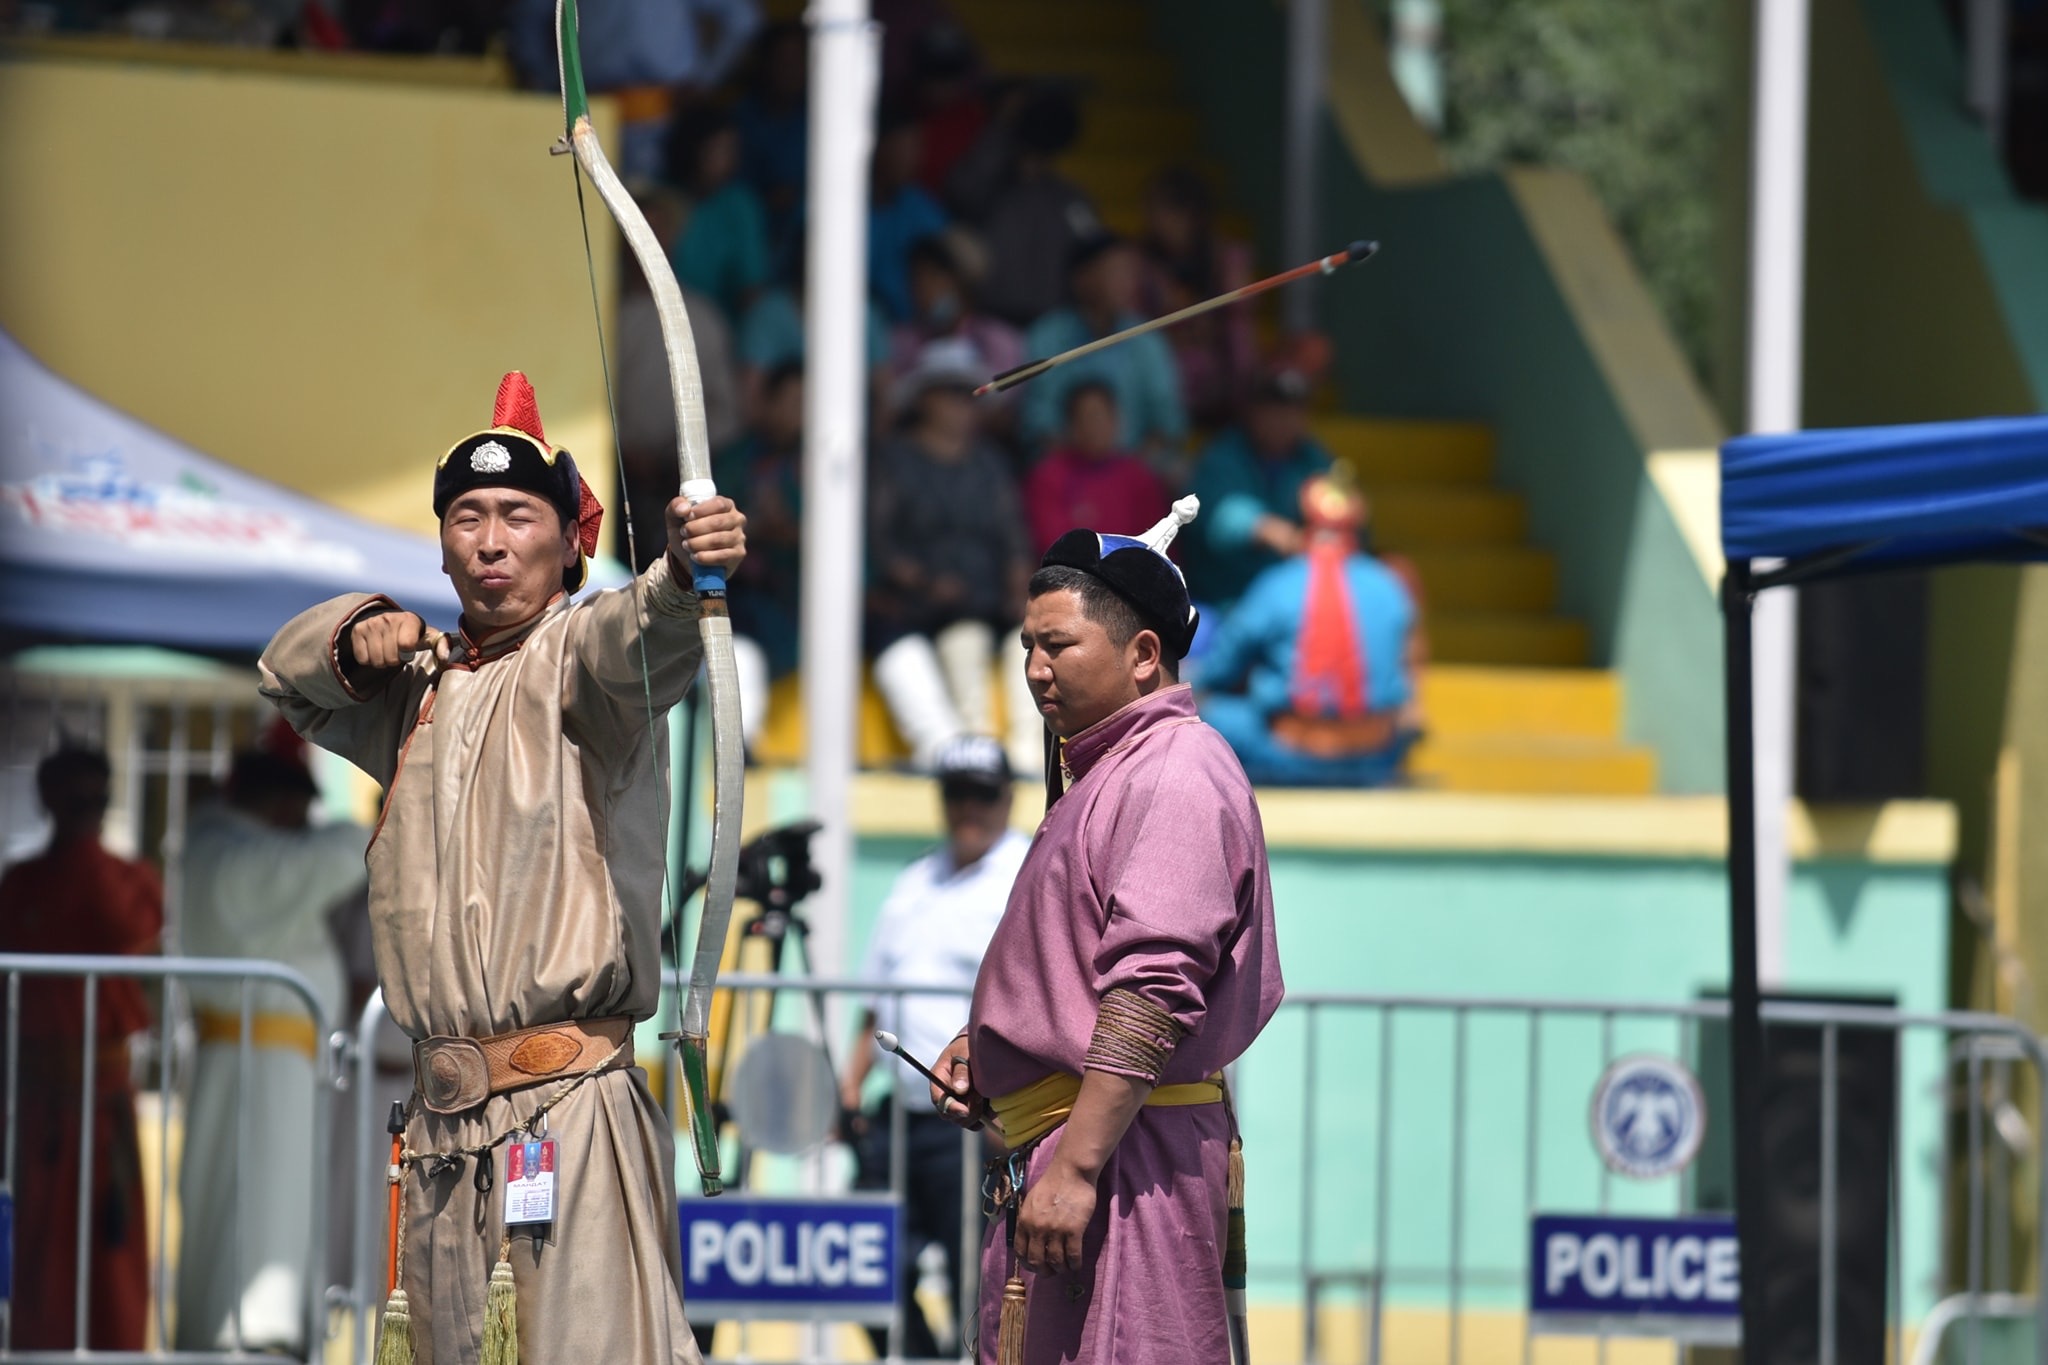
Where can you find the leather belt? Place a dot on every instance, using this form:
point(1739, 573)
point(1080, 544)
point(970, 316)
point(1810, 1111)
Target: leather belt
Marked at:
point(455, 1074)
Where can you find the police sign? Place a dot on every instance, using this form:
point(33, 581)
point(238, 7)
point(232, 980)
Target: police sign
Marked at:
point(833, 1259)
point(1672, 1277)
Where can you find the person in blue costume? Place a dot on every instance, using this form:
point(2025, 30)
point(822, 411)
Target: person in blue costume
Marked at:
point(1249, 480)
point(1311, 677)
point(1103, 279)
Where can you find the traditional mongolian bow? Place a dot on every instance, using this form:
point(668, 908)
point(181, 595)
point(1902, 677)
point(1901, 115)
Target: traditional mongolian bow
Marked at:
point(693, 449)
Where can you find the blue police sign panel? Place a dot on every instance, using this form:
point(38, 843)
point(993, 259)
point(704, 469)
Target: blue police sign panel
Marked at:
point(832, 1259)
point(1668, 1277)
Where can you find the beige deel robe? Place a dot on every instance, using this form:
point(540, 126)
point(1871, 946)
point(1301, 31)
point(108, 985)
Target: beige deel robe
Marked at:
point(515, 879)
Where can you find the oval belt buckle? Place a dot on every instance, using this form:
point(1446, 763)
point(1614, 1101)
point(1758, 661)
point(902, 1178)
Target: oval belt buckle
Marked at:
point(452, 1074)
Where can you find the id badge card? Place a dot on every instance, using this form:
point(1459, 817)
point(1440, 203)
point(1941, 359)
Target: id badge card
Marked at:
point(530, 1182)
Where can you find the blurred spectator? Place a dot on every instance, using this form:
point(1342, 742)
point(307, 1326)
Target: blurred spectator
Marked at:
point(904, 24)
point(1311, 676)
point(764, 474)
point(946, 92)
point(772, 334)
point(1186, 262)
point(773, 118)
point(1088, 479)
point(940, 308)
point(259, 883)
point(644, 51)
point(899, 212)
point(946, 539)
point(1249, 480)
point(646, 405)
point(722, 246)
point(75, 897)
point(1029, 215)
point(1103, 278)
point(933, 930)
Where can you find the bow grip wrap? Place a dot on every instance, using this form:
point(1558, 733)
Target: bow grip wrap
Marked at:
point(708, 581)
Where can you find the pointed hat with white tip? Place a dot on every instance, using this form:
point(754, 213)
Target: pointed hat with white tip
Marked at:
point(1136, 569)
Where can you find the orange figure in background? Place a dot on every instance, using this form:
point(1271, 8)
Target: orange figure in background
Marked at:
point(76, 897)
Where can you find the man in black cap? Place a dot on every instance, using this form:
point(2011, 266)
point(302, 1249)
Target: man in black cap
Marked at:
point(516, 879)
point(1135, 961)
point(932, 931)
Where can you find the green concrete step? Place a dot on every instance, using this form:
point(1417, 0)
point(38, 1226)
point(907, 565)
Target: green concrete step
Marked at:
point(994, 22)
point(1385, 451)
point(1516, 639)
point(1471, 702)
point(1409, 517)
point(1532, 766)
point(1163, 132)
point(1506, 578)
point(1135, 72)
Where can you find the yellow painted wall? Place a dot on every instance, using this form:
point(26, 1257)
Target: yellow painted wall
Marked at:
point(317, 280)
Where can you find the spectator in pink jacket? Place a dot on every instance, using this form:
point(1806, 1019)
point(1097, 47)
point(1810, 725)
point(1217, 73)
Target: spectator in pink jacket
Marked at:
point(1086, 480)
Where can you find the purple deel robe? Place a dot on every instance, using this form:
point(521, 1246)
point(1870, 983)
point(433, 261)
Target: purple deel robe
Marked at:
point(1148, 875)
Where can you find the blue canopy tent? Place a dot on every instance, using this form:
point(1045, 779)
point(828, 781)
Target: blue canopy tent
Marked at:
point(1821, 504)
point(112, 532)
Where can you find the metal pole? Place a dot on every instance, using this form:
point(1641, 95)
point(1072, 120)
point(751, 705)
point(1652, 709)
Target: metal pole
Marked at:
point(1745, 1022)
point(1777, 272)
point(1307, 52)
point(1973, 1253)
point(844, 47)
point(1458, 1021)
point(1984, 76)
point(1382, 1160)
point(89, 1107)
point(1830, 1201)
point(1532, 1121)
point(13, 1128)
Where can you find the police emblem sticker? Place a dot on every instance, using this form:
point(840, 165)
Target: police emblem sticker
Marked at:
point(490, 458)
point(1648, 1116)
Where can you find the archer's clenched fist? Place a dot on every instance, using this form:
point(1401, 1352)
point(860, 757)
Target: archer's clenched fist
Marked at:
point(388, 639)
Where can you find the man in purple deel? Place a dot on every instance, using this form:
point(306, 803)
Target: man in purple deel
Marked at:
point(1136, 960)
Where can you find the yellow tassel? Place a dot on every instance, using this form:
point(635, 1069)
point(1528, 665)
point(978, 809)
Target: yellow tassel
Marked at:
point(1233, 1248)
point(1010, 1326)
point(394, 1340)
point(501, 1318)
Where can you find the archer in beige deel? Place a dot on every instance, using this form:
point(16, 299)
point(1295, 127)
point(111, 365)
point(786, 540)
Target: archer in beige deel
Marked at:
point(515, 900)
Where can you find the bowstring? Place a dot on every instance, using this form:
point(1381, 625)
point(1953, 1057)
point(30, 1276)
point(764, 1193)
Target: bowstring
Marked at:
point(674, 912)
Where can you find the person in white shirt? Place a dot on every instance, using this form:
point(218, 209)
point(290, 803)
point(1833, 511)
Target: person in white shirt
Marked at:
point(932, 931)
point(259, 882)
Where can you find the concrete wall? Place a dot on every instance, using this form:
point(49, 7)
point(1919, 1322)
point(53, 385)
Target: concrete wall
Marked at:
point(318, 280)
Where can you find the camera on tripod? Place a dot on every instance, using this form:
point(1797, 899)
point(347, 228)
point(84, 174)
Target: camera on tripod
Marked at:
point(775, 867)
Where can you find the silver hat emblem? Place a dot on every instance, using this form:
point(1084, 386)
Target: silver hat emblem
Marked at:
point(490, 458)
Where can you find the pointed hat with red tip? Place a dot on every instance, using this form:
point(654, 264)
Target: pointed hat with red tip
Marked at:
point(514, 453)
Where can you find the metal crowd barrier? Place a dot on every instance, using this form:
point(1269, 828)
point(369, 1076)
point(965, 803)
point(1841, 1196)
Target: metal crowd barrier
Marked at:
point(1420, 1070)
point(169, 973)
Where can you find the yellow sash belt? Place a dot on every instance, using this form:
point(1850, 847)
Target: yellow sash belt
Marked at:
point(266, 1029)
point(1043, 1105)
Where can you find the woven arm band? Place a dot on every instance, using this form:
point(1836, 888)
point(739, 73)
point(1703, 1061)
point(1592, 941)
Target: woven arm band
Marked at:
point(1133, 1036)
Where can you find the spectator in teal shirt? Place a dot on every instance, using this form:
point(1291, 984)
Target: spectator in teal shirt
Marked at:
point(900, 212)
point(1104, 274)
point(1249, 480)
point(722, 249)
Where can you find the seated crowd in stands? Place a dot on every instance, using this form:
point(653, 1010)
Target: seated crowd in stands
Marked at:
point(981, 255)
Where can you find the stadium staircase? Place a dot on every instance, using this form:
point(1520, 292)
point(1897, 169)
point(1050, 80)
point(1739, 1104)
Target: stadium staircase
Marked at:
point(1512, 705)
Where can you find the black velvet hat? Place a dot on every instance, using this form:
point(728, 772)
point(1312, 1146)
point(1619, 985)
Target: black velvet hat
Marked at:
point(514, 453)
point(1136, 569)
